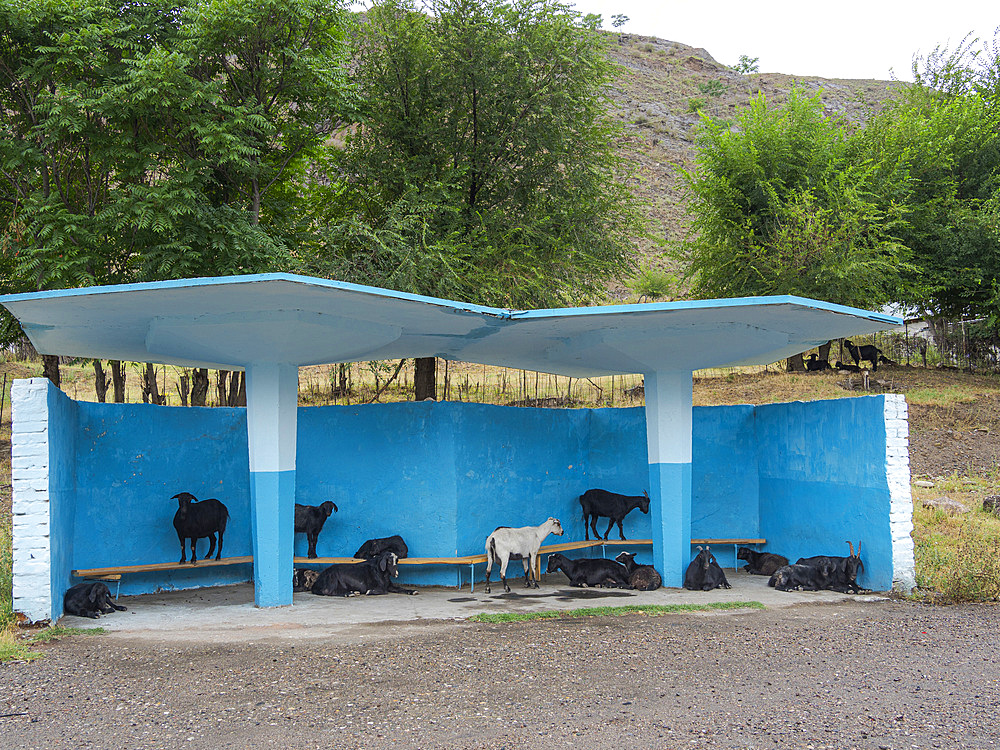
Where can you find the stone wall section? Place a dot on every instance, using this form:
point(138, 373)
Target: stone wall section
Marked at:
point(897, 470)
point(30, 478)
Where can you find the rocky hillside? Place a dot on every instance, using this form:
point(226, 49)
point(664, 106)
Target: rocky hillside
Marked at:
point(658, 93)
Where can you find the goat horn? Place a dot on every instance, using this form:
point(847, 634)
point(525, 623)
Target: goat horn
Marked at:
point(851, 546)
point(859, 548)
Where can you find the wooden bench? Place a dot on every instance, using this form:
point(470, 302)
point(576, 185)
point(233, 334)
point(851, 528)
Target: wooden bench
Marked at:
point(735, 542)
point(470, 560)
point(116, 573)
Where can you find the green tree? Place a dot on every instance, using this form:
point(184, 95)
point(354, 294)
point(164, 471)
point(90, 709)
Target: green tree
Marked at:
point(781, 207)
point(747, 65)
point(160, 139)
point(942, 140)
point(485, 167)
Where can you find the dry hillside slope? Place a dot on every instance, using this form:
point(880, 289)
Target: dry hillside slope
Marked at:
point(661, 87)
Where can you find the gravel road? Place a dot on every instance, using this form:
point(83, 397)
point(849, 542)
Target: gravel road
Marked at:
point(883, 674)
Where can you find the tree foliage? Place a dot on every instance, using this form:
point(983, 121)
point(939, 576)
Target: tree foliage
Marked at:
point(781, 207)
point(942, 139)
point(159, 139)
point(484, 167)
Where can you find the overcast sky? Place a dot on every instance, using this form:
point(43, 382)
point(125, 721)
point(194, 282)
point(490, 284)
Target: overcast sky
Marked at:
point(846, 39)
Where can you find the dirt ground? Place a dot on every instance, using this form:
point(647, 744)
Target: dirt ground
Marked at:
point(884, 674)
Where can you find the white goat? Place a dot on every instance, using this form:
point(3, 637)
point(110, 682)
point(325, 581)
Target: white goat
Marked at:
point(524, 542)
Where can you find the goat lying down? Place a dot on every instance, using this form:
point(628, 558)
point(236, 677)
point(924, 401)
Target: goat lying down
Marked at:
point(704, 572)
point(89, 600)
point(375, 547)
point(590, 572)
point(761, 563)
point(640, 577)
point(371, 578)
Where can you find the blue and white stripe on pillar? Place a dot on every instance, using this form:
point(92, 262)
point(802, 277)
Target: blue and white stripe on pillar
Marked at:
point(272, 407)
point(668, 440)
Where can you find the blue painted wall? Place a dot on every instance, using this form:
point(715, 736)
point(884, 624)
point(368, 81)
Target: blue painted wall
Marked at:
point(444, 475)
point(131, 460)
point(822, 481)
point(62, 495)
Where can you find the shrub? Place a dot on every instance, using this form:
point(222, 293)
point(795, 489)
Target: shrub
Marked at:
point(957, 556)
point(653, 283)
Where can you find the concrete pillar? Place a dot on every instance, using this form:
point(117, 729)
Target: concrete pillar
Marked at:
point(272, 405)
point(668, 439)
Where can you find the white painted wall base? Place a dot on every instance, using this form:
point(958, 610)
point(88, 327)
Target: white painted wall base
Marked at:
point(30, 479)
point(897, 470)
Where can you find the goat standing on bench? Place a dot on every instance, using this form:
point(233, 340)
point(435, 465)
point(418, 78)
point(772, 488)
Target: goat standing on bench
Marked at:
point(194, 521)
point(604, 504)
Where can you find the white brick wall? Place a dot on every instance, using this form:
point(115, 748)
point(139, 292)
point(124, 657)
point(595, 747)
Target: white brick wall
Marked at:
point(897, 469)
point(30, 472)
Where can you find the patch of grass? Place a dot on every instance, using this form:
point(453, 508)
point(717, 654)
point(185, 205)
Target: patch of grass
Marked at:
point(7, 619)
point(58, 631)
point(957, 556)
point(942, 395)
point(13, 648)
point(629, 609)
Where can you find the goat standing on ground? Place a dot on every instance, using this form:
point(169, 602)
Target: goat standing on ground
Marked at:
point(640, 577)
point(309, 520)
point(603, 504)
point(868, 352)
point(506, 542)
point(194, 521)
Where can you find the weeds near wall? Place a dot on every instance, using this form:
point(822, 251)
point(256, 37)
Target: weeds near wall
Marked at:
point(957, 556)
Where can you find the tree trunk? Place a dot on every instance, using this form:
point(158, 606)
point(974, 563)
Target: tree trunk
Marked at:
point(118, 380)
point(50, 368)
point(241, 395)
point(424, 378)
point(100, 381)
point(221, 392)
point(795, 364)
point(199, 386)
point(183, 388)
point(340, 389)
point(150, 388)
point(237, 389)
point(824, 351)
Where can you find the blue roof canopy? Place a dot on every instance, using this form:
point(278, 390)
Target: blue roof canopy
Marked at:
point(233, 321)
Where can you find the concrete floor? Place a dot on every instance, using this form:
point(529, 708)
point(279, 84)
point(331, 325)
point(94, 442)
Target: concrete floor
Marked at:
point(227, 613)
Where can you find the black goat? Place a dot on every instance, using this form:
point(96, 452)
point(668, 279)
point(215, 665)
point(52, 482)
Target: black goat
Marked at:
point(640, 577)
point(371, 577)
point(89, 600)
point(704, 573)
point(603, 504)
point(868, 352)
point(848, 368)
point(796, 577)
point(194, 521)
point(303, 579)
point(375, 547)
point(839, 573)
point(588, 572)
point(815, 364)
point(761, 563)
point(309, 520)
